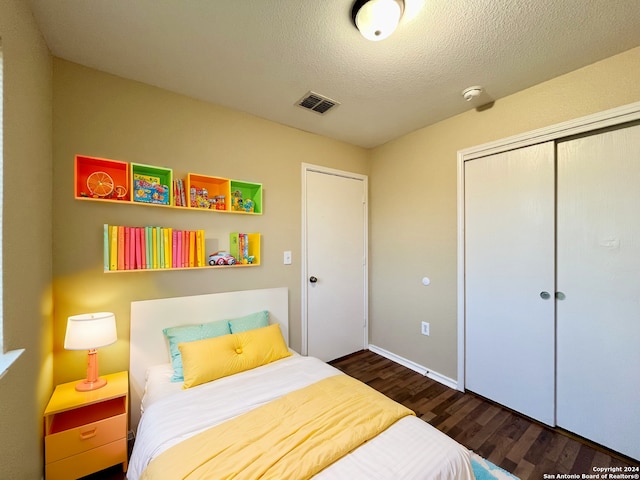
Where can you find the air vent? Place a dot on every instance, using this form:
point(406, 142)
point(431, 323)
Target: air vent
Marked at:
point(317, 103)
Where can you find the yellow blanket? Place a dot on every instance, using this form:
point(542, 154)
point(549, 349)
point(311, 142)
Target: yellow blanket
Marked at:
point(293, 437)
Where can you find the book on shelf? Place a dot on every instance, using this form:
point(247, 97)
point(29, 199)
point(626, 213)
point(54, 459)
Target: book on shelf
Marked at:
point(127, 248)
point(176, 194)
point(200, 248)
point(143, 247)
point(154, 253)
point(166, 237)
point(239, 247)
point(160, 234)
point(149, 247)
point(174, 248)
point(138, 247)
point(106, 247)
point(113, 247)
point(192, 249)
point(179, 197)
point(121, 249)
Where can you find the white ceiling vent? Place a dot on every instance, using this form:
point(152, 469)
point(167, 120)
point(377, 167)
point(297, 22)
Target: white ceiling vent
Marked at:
point(317, 103)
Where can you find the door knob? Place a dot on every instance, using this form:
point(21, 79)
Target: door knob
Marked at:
point(313, 279)
point(545, 295)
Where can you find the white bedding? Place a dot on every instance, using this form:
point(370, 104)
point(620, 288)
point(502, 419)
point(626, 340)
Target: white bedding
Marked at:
point(410, 449)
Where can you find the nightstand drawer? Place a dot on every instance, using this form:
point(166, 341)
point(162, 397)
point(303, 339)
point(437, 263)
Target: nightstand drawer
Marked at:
point(88, 462)
point(86, 437)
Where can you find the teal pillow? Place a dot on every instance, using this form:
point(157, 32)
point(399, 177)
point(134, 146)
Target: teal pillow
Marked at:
point(249, 322)
point(190, 333)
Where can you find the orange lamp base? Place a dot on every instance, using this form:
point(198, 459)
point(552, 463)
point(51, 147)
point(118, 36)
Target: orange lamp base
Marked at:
point(87, 386)
point(92, 382)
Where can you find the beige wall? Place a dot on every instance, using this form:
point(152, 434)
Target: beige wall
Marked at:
point(25, 389)
point(102, 115)
point(414, 212)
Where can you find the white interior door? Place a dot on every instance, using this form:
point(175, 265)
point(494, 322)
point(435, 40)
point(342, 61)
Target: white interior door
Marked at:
point(509, 279)
point(598, 332)
point(335, 238)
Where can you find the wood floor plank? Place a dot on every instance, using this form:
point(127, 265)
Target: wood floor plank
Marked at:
point(568, 456)
point(600, 459)
point(524, 470)
point(524, 443)
point(536, 452)
point(488, 414)
point(583, 460)
point(475, 443)
point(458, 412)
point(555, 448)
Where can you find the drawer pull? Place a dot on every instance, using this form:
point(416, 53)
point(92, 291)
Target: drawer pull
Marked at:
point(88, 434)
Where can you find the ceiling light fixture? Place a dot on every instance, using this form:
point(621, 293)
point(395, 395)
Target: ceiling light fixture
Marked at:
point(377, 19)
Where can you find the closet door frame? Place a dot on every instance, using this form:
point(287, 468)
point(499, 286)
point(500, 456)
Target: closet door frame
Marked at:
point(608, 118)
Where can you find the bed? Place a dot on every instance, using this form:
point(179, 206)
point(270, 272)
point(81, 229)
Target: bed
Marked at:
point(232, 418)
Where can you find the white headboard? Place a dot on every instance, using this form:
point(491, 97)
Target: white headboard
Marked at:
point(149, 347)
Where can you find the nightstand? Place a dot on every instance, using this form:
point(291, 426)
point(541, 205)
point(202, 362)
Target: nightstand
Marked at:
point(86, 432)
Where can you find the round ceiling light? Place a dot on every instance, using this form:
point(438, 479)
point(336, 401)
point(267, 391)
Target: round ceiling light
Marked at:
point(377, 19)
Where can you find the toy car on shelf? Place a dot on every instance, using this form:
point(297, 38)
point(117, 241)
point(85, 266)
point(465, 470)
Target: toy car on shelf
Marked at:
point(221, 258)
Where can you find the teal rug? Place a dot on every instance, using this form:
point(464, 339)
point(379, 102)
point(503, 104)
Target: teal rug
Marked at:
point(483, 469)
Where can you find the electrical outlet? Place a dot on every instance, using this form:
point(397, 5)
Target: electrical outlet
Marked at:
point(425, 328)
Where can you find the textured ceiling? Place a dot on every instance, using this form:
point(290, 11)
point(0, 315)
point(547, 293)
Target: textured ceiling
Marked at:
point(261, 56)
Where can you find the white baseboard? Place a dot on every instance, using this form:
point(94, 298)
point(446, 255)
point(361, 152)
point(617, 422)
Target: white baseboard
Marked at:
point(438, 377)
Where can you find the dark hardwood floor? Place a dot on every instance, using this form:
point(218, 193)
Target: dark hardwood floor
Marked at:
point(521, 446)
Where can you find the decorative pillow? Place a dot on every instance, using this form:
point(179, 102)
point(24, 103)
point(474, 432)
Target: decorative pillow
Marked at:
point(190, 333)
point(249, 322)
point(213, 358)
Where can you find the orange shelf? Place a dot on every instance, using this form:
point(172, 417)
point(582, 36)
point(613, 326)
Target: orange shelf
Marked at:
point(101, 179)
point(207, 193)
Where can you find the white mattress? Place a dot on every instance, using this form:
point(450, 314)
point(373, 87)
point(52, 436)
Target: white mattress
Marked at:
point(410, 449)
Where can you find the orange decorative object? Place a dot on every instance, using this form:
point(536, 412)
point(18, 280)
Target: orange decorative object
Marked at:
point(100, 184)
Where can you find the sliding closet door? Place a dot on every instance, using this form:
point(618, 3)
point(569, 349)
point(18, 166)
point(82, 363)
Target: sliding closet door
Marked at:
point(598, 333)
point(509, 279)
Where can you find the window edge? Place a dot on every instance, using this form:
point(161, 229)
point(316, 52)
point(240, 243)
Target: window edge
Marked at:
point(7, 359)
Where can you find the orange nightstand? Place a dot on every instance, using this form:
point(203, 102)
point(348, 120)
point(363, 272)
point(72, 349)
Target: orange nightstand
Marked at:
point(86, 432)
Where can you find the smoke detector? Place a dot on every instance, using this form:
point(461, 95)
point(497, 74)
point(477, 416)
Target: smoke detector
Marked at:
point(471, 93)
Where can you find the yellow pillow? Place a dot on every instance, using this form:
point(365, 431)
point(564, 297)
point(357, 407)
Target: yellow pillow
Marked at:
point(213, 358)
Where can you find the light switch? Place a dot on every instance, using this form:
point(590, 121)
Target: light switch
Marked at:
point(287, 257)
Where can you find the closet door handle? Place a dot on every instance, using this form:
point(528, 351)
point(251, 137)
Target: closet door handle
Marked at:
point(545, 295)
point(560, 296)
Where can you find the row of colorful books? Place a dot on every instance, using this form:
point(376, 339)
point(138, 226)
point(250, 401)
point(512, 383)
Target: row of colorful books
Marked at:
point(150, 247)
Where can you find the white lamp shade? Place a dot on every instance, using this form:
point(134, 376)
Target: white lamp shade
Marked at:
point(90, 330)
point(377, 19)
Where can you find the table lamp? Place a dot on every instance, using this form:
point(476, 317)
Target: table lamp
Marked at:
point(90, 331)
